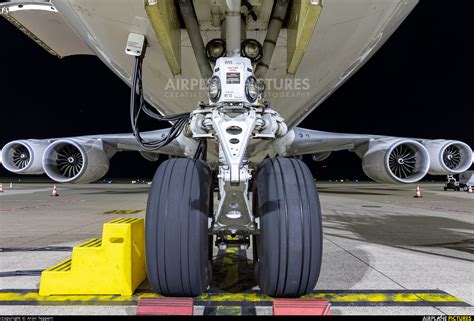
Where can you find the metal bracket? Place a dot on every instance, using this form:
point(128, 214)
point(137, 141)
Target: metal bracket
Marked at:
point(234, 212)
point(233, 129)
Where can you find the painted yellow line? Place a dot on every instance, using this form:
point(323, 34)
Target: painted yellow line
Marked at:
point(386, 297)
point(334, 297)
point(121, 212)
point(234, 297)
point(33, 296)
point(341, 297)
point(438, 297)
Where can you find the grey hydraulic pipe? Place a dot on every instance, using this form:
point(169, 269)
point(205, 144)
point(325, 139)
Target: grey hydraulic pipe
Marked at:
point(192, 26)
point(233, 27)
point(243, 29)
point(274, 27)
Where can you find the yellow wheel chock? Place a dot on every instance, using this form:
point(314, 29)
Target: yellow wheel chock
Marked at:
point(113, 265)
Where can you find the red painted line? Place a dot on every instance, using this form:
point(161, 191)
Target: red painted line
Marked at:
point(165, 306)
point(315, 307)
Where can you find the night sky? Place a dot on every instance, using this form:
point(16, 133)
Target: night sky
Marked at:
point(419, 84)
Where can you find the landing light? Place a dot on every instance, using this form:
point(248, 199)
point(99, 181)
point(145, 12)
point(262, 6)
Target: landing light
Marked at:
point(214, 89)
point(251, 89)
point(251, 49)
point(215, 49)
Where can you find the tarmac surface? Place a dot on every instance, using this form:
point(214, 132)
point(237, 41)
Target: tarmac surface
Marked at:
point(385, 252)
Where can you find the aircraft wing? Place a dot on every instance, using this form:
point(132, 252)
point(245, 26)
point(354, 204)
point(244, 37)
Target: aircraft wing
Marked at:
point(84, 159)
point(384, 158)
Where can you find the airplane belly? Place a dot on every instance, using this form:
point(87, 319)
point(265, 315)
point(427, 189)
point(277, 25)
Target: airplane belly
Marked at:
point(346, 35)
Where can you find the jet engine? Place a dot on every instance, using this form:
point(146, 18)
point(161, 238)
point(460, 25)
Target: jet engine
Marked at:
point(67, 161)
point(448, 156)
point(24, 156)
point(396, 161)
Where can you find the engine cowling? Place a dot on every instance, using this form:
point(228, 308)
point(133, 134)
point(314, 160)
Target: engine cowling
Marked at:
point(396, 161)
point(67, 161)
point(24, 156)
point(448, 156)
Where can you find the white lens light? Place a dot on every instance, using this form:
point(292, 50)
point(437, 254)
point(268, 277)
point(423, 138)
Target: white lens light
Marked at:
point(215, 49)
point(214, 89)
point(251, 89)
point(251, 49)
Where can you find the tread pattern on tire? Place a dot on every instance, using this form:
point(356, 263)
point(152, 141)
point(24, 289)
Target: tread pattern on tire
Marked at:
point(176, 228)
point(290, 242)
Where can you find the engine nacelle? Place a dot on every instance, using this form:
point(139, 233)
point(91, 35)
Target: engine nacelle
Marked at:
point(67, 161)
point(396, 161)
point(24, 156)
point(448, 156)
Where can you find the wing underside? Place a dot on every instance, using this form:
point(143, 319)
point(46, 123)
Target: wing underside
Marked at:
point(321, 44)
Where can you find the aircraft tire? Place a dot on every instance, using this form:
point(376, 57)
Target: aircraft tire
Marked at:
point(290, 241)
point(176, 228)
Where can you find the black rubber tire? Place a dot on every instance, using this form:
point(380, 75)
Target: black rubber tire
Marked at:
point(290, 241)
point(176, 228)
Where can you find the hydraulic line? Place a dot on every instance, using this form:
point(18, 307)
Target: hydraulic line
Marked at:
point(274, 28)
point(192, 26)
point(138, 104)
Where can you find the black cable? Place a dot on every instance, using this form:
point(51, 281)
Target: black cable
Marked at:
point(21, 273)
point(138, 104)
point(36, 249)
point(201, 151)
point(250, 9)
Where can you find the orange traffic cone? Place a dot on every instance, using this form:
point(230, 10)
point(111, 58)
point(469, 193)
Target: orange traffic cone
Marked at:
point(418, 192)
point(1, 188)
point(469, 189)
point(55, 191)
point(11, 185)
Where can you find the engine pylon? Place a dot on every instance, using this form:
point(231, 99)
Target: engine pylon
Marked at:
point(55, 191)
point(418, 192)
